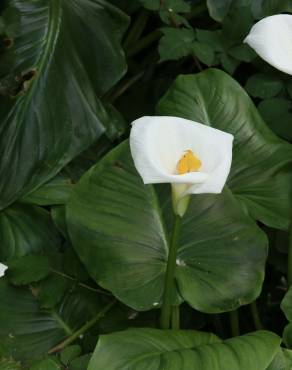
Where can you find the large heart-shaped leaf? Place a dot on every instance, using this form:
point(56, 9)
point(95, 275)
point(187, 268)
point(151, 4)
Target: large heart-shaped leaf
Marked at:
point(61, 53)
point(153, 349)
point(261, 173)
point(27, 332)
point(26, 229)
point(117, 229)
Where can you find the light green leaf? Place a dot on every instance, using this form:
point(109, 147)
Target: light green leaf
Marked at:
point(172, 350)
point(263, 86)
point(28, 269)
point(26, 229)
point(286, 304)
point(117, 229)
point(261, 173)
point(60, 74)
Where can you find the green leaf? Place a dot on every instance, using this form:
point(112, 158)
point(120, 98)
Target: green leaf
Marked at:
point(286, 304)
point(282, 360)
point(60, 74)
point(80, 363)
point(228, 63)
point(211, 38)
point(287, 335)
point(51, 290)
point(176, 43)
point(261, 172)
point(277, 112)
point(28, 269)
point(156, 349)
point(264, 8)
point(27, 332)
point(242, 52)
point(117, 229)
point(25, 230)
point(9, 364)
point(204, 52)
point(68, 354)
point(263, 86)
point(49, 363)
point(218, 9)
point(55, 191)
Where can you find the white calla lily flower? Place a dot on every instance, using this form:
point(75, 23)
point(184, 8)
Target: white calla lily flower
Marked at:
point(271, 38)
point(3, 268)
point(193, 157)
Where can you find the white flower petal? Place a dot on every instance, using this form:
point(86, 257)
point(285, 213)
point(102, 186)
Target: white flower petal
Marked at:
point(271, 38)
point(3, 268)
point(157, 144)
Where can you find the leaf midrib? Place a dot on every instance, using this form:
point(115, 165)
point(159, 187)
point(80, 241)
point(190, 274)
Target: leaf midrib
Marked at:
point(51, 37)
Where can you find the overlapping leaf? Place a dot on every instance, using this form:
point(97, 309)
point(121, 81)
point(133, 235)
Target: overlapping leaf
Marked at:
point(117, 229)
point(261, 174)
point(152, 349)
point(59, 56)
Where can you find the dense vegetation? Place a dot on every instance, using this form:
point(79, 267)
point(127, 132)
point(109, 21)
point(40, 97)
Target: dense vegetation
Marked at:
point(86, 242)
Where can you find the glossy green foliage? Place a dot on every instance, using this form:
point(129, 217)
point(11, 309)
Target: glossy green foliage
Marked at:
point(27, 332)
point(152, 349)
point(55, 70)
point(26, 229)
point(261, 176)
point(130, 258)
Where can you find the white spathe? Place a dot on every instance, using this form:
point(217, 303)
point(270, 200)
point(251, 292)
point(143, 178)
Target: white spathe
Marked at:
point(158, 143)
point(271, 38)
point(3, 268)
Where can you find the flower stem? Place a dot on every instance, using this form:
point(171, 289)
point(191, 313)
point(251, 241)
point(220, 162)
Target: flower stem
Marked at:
point(234, 323)
point(175, 318)
point(169, 278)
point(289, 267)
point(83, 329)
point(256, 317)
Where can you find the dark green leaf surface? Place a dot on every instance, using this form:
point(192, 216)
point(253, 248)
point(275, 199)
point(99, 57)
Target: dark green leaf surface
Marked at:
point(60, 74)
point(151, 349)
point(55, 191)
point(68, 354)
point(26, 331)
point(116, 227)
point(28, 269)
point(263, 86)
point(218, 9)
point(261, 173)
point(24, 230)
point(176, 43)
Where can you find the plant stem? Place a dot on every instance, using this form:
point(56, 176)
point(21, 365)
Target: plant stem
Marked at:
point(256, 317)
point(144, 42)
point(234, 323)
point(175, 318)
point(131, 81)
point(137, 28)
point(83, 329)
point(169, 277)
point(78, 283)
point(289, 267)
